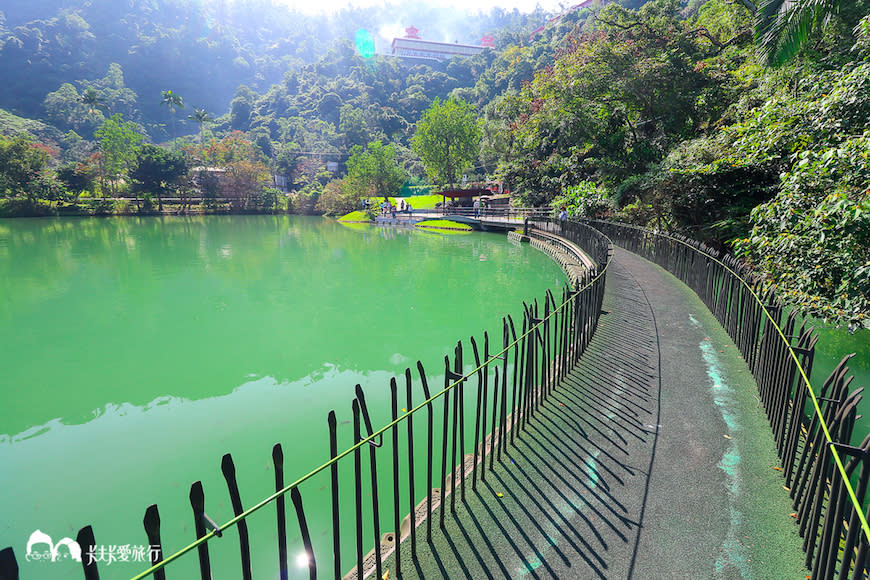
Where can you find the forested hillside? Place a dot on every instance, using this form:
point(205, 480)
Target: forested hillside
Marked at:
point(51, 51)
point(747, 126)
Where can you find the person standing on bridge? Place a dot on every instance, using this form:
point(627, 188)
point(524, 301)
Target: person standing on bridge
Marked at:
point(476, 208)
point(563, 215)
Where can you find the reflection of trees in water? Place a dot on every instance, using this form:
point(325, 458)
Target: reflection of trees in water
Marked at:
point(34, 259)
point(277, 295)
point(236, 248)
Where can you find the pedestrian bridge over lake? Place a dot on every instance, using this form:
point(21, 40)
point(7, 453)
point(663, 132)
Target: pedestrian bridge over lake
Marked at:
point(486, 219)
point(652, 421)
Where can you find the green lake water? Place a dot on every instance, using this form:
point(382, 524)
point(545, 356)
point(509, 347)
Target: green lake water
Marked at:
point(833, 345)
point(136, 352)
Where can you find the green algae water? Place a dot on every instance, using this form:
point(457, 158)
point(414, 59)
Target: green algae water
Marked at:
point(137, 351)
point(833, 345)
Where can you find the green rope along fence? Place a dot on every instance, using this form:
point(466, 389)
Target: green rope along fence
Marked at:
point(830, 510)
point(544, 351)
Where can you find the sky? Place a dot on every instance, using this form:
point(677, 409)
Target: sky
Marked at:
point(454, 6)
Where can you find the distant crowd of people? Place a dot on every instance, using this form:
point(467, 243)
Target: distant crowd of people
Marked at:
point(480, 207)
point(388, 209)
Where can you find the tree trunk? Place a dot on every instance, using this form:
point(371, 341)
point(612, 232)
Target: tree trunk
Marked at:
point(449, 167)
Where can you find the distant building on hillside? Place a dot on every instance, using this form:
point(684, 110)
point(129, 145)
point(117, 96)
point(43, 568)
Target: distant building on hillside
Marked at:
point(414, 47)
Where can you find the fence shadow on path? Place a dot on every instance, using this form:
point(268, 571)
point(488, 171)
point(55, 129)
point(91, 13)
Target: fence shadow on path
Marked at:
point(567, 501)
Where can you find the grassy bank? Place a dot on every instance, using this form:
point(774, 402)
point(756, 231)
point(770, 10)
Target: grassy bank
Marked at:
point(417, 201)
point(355, 217)
point(444, 225)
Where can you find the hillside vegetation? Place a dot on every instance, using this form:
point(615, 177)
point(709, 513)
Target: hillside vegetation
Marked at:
point(746, 127)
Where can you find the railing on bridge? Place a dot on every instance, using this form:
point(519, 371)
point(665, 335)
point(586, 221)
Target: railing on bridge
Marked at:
point(517, 214)
point(512, 214)
point(510, 385)
point(812, 429)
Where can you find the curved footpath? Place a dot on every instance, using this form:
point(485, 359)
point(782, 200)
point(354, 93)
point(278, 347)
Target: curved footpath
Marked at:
point(653, 460)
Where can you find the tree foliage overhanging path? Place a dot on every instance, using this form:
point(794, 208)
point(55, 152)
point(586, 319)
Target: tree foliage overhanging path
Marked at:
point(657, 118)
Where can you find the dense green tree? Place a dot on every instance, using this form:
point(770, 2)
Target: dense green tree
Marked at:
point(77, 178)
point(241, 107)
point(810, 239)
point(612, 105)
point(66, 109)
point(447, 139)
point(783, 26)
point(373, 171)
point(91, 99)
point(41, 55)
point(84, 111)
point(115, 94)
point(157, 171)
point(329, 108)
point(21, 163)
point(585, 200)
point(497, 125)
point(215, 47)
point(810, 242)
point(75, 149)
point(338, 198)
point(119, 143)
point(353, 126)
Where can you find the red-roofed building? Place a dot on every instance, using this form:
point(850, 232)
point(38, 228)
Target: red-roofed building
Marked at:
point(413, 47)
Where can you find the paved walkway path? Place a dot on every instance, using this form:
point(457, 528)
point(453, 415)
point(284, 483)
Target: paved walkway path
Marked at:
point(653, 460)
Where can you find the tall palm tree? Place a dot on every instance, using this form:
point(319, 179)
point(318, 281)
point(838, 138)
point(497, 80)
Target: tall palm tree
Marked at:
point(93, 101)
point(200, 117)
point(173, 101)
point(783, 26)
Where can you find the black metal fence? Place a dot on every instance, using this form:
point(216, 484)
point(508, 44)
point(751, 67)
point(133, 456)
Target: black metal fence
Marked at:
point(813, 430)
point(504, 388)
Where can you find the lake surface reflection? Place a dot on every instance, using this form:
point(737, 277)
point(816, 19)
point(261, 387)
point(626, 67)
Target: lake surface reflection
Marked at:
point(137, 351)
